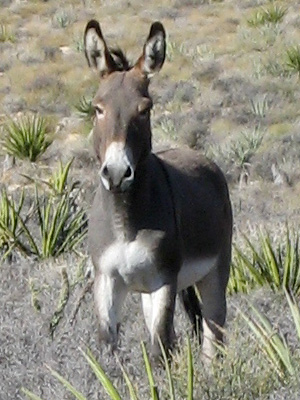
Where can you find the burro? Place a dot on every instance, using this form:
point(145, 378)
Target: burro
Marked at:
point(161, 223)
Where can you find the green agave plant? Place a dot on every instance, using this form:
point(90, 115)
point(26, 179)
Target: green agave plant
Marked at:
point(293, 59)
point(273, 14)
point(6, 35)
point(272, 342)
point(12, 225)
point(85, 108)
point(58, 180)
point(62, 225)
point(277, 266)
point(26, 137)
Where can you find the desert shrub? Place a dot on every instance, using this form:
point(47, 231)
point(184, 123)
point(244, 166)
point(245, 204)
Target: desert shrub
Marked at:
point(165, 128)
point(50, 52)
point(5, 34)
point(272, 14)
point(274, 66)
point(260, 106)
point(178, 3)
point(26, 137)
point(78, 44)
point(185, 92)
point(237, 154)
point(236, 90)
point(245, 147)
point(85, 108)
point(14, 103)
point(63, 18)
point(293, 59)
point(43, 81)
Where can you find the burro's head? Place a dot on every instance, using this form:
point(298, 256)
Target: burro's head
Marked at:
point(122, 130)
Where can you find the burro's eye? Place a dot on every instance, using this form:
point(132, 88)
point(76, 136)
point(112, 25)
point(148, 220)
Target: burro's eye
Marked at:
point(144, 113)
point(99, 111)
point(144, 107)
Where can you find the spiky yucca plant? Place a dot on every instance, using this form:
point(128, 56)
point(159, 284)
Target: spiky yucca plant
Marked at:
point(273, 14)
point(272, 342)
point(85, 108)
point(5, 34)
point(12, 226)
point(26, 137)
point(267, 263)
point(293, 59)
point(59, 178)
point(62, 225)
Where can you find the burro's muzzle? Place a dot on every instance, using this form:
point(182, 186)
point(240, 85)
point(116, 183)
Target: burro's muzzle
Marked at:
point(117, 172)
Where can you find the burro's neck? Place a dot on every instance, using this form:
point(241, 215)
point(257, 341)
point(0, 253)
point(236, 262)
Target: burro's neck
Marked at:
point(120, 211)
point(125, 208)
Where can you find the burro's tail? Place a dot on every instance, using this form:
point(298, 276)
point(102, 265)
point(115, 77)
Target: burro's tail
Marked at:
point(192, 307)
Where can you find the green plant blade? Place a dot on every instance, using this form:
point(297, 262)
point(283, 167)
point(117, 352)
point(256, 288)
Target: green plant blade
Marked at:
point(153, 388)
point(71, 389)
point(269, 256)
point(129, 384)
point(255, 274)
point(101, 375)
point(190, 377)
point(272, 344)
point(30, 395)
point(295, 312)
point(168, 370)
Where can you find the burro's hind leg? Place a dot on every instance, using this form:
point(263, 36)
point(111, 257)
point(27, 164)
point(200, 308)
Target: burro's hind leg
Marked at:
point(158, 308)
point(110, 293)
point(213, 295)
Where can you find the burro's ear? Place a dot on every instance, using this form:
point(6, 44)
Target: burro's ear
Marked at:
point(154, 51)
point(96, 50)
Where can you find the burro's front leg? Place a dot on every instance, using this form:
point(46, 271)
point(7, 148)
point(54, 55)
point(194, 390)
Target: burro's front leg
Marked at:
point(110, 293)
point(158, 310)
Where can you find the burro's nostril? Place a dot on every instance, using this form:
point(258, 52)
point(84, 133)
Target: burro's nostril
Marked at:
point(117, 176)
point(105, 171)
point(128, 172)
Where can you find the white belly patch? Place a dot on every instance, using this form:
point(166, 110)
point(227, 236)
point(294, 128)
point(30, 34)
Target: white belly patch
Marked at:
point(193, 271)
point(134, 262)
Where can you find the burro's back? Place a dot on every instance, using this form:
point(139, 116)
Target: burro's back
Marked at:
point(160, 224)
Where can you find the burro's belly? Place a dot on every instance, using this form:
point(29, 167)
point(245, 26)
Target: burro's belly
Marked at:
point(135, 262)
point(194, 270)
